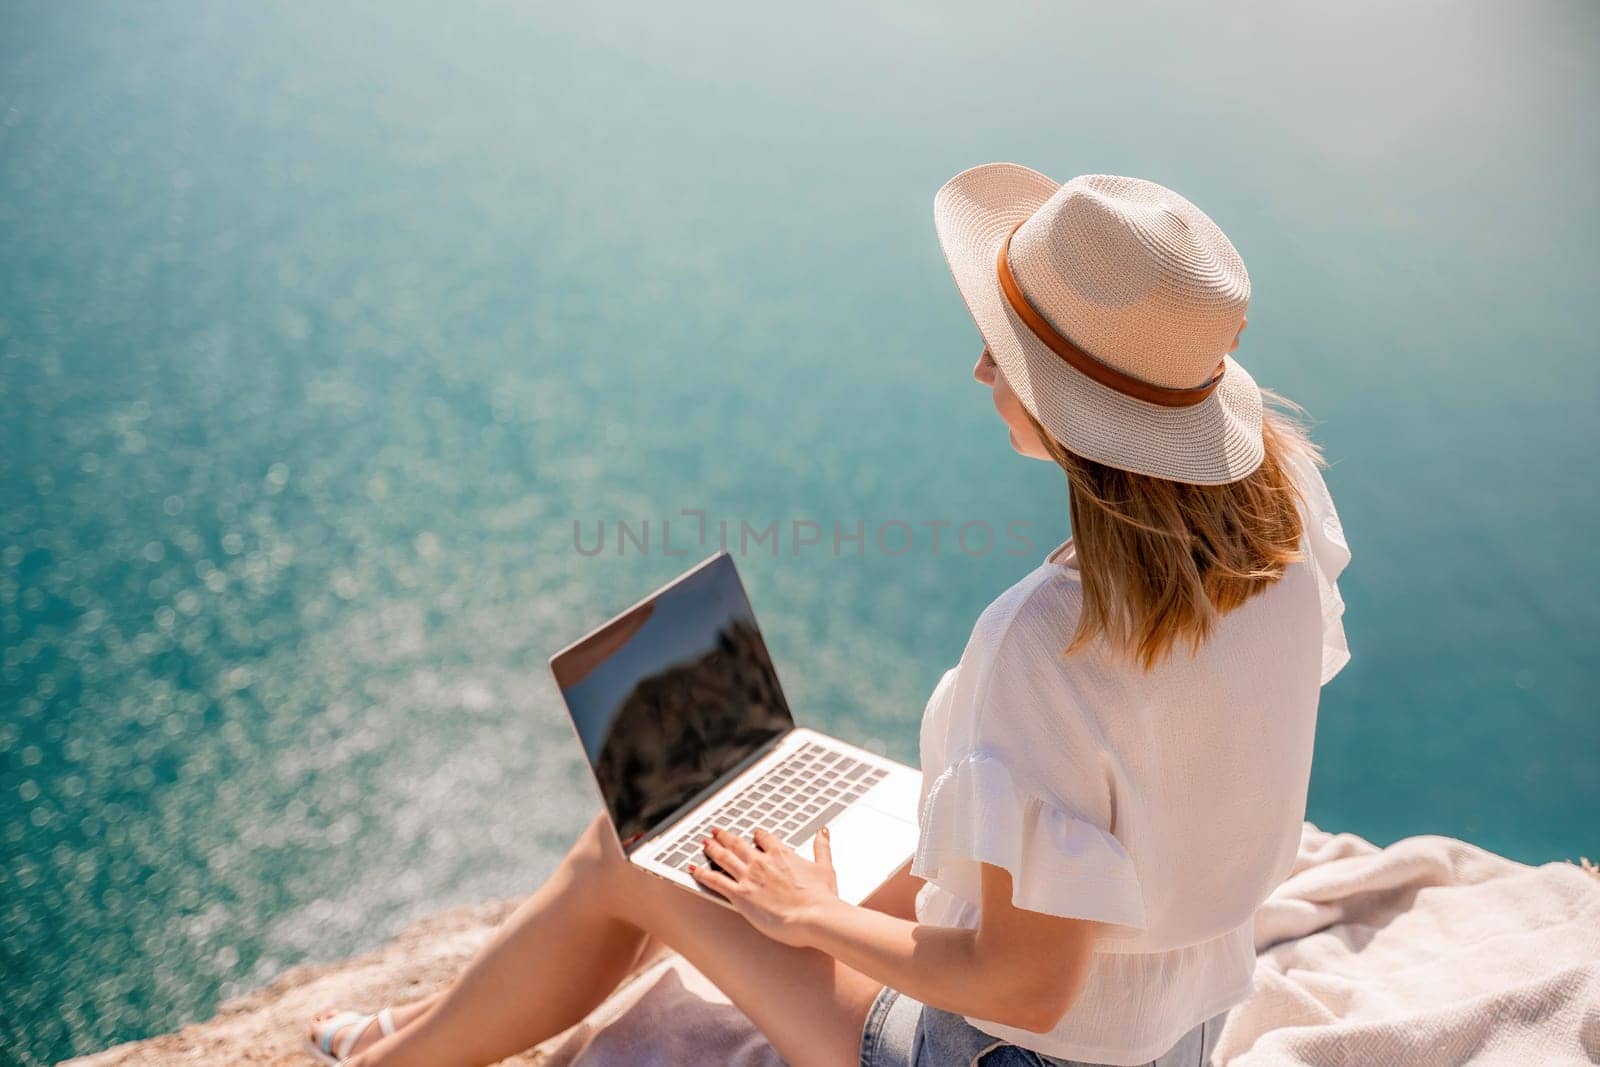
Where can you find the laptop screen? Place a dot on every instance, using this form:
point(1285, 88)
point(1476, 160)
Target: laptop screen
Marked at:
point(672, 694)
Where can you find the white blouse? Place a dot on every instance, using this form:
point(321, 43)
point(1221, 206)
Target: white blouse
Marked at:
point(1167, 805)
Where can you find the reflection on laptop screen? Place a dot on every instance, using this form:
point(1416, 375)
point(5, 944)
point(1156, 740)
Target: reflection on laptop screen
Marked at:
point(671, 695)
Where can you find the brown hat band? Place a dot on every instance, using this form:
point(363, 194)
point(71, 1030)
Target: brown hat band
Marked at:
point(1106, 375)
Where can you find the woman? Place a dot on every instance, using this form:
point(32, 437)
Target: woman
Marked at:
point(1114, 775)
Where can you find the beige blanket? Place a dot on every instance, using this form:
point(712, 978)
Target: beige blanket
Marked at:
point(1430, 951)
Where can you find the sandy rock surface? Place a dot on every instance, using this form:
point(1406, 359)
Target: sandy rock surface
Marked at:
point(268, 1026)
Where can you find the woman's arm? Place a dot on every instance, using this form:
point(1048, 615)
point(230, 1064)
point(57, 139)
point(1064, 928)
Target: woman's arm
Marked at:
point(1018, 968)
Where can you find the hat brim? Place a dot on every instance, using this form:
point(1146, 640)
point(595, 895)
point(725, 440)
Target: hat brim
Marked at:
point(1210, 443)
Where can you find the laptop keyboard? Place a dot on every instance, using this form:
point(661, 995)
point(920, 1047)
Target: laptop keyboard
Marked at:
point(794, 799)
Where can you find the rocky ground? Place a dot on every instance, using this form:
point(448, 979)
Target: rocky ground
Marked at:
point(267, 1026)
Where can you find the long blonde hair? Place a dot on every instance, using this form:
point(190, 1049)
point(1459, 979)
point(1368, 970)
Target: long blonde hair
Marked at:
point(1162, 561)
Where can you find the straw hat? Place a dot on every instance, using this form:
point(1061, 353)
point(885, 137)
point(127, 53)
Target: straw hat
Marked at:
point(1109, 305)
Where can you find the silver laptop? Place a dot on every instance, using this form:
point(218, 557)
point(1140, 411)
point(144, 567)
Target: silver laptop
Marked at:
point(680, 714)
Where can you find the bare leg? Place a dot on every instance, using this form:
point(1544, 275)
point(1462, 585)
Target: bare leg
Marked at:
point(405, 1014)
point(565, 949)
point(897, 897)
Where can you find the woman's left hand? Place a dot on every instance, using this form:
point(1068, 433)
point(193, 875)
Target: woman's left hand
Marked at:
point(768, 882)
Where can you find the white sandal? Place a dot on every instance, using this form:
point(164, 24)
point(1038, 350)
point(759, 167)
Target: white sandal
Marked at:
point(356, 1023)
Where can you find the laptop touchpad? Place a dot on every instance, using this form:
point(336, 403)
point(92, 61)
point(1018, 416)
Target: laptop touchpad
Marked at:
point(868, 846)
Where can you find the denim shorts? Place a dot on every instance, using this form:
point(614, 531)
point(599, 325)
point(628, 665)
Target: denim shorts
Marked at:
point(902, 1032)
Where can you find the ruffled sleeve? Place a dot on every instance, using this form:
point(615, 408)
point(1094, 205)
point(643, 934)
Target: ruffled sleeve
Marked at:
point(1060, 864)
point(1329, 555)
point(1014, 775)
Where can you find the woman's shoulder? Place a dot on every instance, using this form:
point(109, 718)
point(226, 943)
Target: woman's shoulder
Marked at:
point(1040, 608)
point(1015, 697)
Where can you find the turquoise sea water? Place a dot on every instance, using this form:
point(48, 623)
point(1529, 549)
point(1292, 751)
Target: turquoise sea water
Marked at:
point(321, 326)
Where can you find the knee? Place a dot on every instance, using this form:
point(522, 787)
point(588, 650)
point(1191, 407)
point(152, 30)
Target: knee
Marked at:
point(596, 861)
